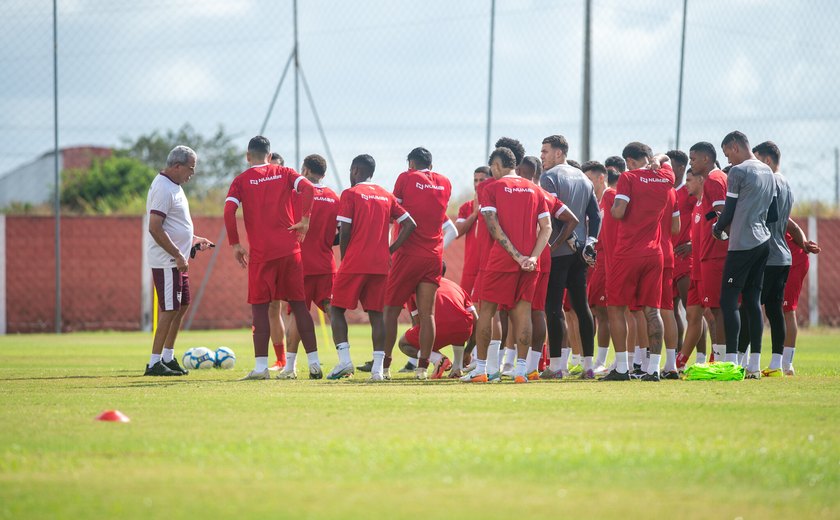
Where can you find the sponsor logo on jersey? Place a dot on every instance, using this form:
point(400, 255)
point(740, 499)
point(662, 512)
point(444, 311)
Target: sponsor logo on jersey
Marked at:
point(697, 218)
point(653, 179)
point(373, 197)
point(325, 199)
point(518, 190)
point(428, 187)
point(256, 182)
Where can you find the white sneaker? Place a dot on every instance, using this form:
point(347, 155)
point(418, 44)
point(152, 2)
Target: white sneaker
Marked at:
point(341, 371)
point(790, 372)
point(469, 368)
point(420, 374)
point(287, 373)
point(753, 375)
point(253, 375)
point(456, 373)
point(376, 377)
point(507, 370)
point(600, 370)
point(386, 374)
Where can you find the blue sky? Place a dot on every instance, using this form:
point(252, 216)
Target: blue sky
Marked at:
point(390, 75)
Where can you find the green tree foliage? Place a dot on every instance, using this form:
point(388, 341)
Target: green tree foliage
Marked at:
point(219, 159)
point(112, 185)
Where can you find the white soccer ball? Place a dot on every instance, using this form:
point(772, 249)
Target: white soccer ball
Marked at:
point(199, 357)
point(225, 358)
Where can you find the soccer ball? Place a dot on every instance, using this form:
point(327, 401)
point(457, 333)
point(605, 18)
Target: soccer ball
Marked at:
point(199, 357)
point(225, 358)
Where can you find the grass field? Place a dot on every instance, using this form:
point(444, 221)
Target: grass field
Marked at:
point(205, 446)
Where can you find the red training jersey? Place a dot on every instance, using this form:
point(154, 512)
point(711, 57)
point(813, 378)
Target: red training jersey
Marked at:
point(470, 245)
point(556, 208)
point(519, 204)
point(483, 239)
point(425, 195)
point(265, 194)
point(670, 212)
point(369, 208)
point(685, 205)
point(453, 307)
point(646, 192)
point(797, 254)
point(697, 228)
point(714, 194)
point(317, 248)
point(609, 226)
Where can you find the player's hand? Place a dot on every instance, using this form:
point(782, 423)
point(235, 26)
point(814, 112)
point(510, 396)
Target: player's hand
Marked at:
point(718, 234)
point(683, 250)
point(181, 263)
point(476, 206)
point(812, 247)
point(301, 228)
point(528, 263)
point(589, 255)
point(202, 243)
point(240, 255)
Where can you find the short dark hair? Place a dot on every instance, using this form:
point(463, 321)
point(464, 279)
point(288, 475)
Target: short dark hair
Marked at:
point(677, 156)
point(316, 164)
point(637, 151)
point(769, 149)
point(705, 148)
point(557, 141)
point(574, 163)
point(616, 162)
point(259, 145)
point(443, 268)
point(505, 155)
point(612, 176)
point(483, 169)
point(514, 146)
point(365, 163)
point(422, 158)
point(277, 157)
point(535, 164)
point(594, 165)
point(736, 137)
point(726, 169)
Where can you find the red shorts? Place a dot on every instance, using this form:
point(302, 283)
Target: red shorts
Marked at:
point(506, 289)
point(597, 288)
point(172, 287)
point(351, 288)
point(793, 288)
point(682, 267)
point(540, 293)
point(407, 272)
point(667, 300)
point(711, 277)
point(278, 279)
point(694, 294)
point(635, 282)
point(476, 292)
point(468, 282)
point(318, 288)
point(443, 336)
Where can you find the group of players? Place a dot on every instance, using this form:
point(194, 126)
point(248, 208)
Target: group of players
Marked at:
point(629, 240)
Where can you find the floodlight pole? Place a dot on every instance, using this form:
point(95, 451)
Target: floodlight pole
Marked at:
point(586, 118)
point(297, 88)
point(490, 78)
point(682, 68)
point(56, 172)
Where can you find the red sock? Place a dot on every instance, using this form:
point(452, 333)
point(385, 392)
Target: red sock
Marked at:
point(280, 352)
point(423, 363)
point(544, 358)
point(682, 359)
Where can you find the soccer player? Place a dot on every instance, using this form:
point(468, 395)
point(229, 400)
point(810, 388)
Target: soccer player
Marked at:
point(517, 217)
point(750, 193)
point(682, 241)
point(365, 213)
point(798, 271)
point(316, 252)
point(455, 316)
point(568, 260)
point(275, 271)
point(634, 278)
point(171, 227)
point(275, 309)
point(531, 169)
point(702, 158)
point(416, 267)
point(277, 159)
point(466, 225)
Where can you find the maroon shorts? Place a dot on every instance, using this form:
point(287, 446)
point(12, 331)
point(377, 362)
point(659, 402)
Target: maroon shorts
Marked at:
point(443, 336)
point(351, 288)
point(635, 282)
point(694, 294)
point(597, 288)
point(711, 276)
point(506, 289)
point(667, 300)
point(278, 279)
point(468, 281)
point(794, 286)
point(407, 272)
point(541, 292)
point(172, 287)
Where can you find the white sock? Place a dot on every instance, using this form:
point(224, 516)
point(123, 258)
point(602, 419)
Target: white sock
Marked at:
point(670, 359)
point(743, 359)
point(291, 360)
point(378, 360)
point(510, 356)
point(564, 358)
point(480, 366)
point(653, 363)
point(602, 356)
point(458, 356)
point(701, 357)
point(344, 353)
point(754, 364)
point(493, 356)
point(621, 362)
point(168, 354)
point(587, 363)
point(532, 361)
point(574, 359)
point(775, 361)
point(312, 357)
point(414, 361)
point(640, 356)
point(719, 351)
point(787, 357)
point(731, 358)
point(554, 364)
point(154, 360)
point(434, 357)
point(519, 368)
point(260, 363)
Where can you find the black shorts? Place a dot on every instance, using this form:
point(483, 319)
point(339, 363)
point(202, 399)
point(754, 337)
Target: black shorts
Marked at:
point(745, 269)
point(775, 280)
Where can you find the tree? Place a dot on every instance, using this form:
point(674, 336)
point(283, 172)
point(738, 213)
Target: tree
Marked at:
point(219, 159)
point(112, 185)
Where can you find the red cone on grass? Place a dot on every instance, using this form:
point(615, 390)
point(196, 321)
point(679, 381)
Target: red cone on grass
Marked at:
point(112, 416)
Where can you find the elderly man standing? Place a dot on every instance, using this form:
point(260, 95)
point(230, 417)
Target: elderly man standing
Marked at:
point(171, 228)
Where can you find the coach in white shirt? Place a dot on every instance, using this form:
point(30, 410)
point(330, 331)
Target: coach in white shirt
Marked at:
point(171, 228)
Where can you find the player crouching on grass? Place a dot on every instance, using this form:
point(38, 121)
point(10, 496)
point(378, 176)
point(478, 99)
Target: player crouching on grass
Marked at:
point(171, 228)
point(275, 269)
point(518, 220)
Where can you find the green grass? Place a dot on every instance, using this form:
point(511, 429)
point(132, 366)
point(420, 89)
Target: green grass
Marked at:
point(207, 446)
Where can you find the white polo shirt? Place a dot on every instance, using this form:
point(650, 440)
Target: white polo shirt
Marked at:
point(167, 199)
